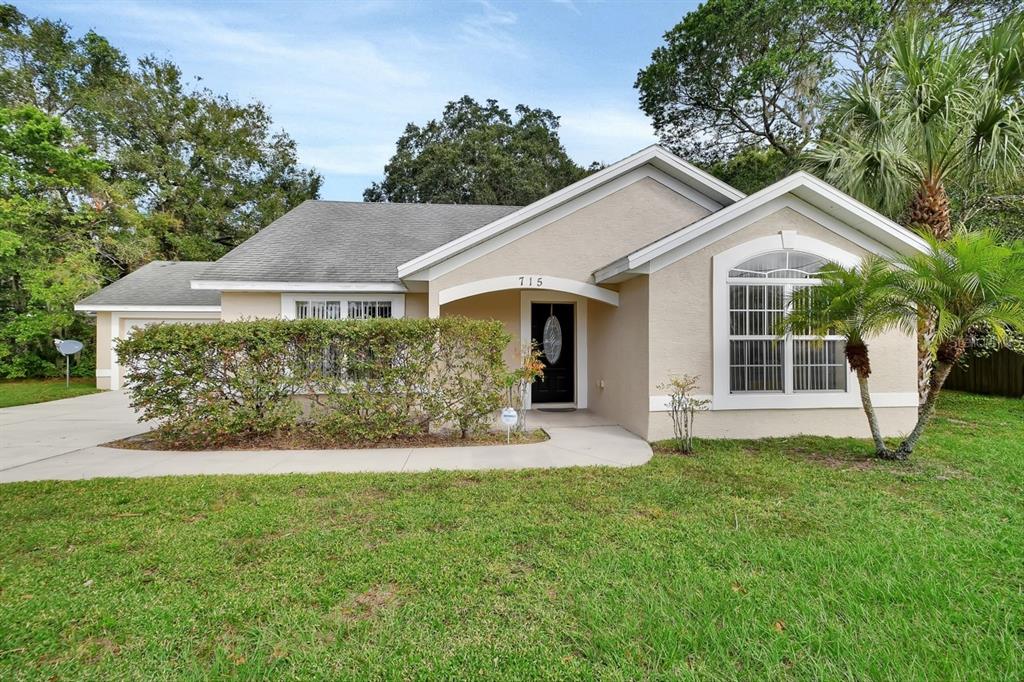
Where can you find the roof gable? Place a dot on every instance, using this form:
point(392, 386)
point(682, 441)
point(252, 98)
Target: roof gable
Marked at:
point(654, 161)
point(801, 191)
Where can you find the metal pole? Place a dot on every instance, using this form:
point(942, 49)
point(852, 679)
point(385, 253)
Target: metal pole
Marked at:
point(67, 372)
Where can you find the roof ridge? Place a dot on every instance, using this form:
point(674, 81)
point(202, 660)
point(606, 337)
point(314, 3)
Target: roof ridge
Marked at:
point(407, 203)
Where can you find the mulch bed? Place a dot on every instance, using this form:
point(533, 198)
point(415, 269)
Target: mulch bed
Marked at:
point(299, 440)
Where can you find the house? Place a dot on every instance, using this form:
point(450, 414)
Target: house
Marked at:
point(646, 269)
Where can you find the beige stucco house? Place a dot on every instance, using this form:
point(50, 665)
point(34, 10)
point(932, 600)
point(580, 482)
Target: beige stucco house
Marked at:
point(646, 269)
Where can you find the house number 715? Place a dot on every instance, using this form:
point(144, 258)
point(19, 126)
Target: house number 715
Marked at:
point(530, 281)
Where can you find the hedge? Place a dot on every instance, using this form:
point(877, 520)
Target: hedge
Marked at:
point(362, 379)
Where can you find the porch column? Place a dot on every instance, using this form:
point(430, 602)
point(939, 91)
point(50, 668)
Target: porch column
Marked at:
point(433, 302)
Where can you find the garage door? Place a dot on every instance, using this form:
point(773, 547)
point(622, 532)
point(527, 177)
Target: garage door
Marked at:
point(130, 325)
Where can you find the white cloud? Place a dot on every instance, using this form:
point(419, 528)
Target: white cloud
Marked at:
point(490, 29)
point(344, 79)
point(348, 159)
point(604, 133)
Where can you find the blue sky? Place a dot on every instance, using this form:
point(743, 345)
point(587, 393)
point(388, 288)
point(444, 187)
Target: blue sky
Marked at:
point(344, 78)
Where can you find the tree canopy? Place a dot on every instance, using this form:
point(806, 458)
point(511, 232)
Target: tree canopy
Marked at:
point(939, 112)
point(735, 74)
point(478, 154)
point(206, 171)
point(60, 226)
point(107, 165)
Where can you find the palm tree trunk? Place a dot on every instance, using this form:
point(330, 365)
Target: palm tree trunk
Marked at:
point(925, 330)
point(928, 210)
point(869, 410)
point(939, 374)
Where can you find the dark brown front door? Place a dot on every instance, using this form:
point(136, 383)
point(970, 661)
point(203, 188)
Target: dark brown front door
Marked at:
point(558, 351)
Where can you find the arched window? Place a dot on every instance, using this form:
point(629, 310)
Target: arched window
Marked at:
point(761, 361)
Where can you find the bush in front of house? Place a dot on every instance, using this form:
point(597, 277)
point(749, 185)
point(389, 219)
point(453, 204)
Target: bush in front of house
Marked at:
point(363, 380)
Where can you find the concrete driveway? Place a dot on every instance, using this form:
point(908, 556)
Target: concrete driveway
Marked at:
point(60, 440)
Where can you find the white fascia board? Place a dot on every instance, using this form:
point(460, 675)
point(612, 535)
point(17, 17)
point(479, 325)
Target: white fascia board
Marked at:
point(311, 287)
point(717, 192)
point(805, 187)
point(117, 308)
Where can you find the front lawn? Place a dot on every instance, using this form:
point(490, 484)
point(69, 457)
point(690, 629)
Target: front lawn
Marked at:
point(777, 559)
point(26, 391)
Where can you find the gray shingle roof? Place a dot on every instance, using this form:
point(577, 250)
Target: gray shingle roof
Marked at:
point(342, 241)
point(162, 282)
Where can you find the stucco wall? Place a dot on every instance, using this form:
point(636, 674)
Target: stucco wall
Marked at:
point(500, 305)
point(238, 305)
point(618, 355)
point(578, 244)
point(837, 422)
point(416, 305)
point(682, 343)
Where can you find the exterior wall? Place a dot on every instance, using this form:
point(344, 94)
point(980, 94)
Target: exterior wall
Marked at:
point(619, 342)
point(575, 246)
point(104, 350)
point(240, 305)
point(838, 422)
point(499, 305)
point(682, 343)
point(416, 306)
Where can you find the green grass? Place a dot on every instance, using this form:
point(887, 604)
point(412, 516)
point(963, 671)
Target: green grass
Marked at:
point(777, 559)
point(28, 391)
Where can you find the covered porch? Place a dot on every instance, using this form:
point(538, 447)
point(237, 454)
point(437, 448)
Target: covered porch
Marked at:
point(555, 314)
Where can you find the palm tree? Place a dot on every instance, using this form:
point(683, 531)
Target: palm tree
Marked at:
point(967, 281)
point(942, 111)
point(855, 303)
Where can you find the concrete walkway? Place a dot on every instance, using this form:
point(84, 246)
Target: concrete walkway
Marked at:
point(59, 440)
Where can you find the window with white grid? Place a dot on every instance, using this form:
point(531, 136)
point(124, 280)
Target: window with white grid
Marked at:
point(762, 361)
point(365, 310)
point(326, 309)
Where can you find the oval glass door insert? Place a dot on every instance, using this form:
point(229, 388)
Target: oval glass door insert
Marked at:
point(552, 339)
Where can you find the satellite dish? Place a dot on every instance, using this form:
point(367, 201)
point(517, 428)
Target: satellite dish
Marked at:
point(68, 347)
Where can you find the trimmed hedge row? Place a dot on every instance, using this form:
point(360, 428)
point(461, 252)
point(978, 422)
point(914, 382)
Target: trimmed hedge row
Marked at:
point(364, 379)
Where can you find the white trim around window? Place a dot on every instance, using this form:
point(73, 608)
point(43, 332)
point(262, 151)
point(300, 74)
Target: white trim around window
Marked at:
point(288, 302)
point(722, 397)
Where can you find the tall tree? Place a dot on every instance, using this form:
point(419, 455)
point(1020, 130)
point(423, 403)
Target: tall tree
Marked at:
point(478, 154)
point(735, 74)
point(207, 172)
point(939, 112)
point(62, 229)
point(211, 172)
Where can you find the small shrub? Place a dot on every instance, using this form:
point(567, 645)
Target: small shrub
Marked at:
point(683, 407)
point(365, 379)
point(519, 380)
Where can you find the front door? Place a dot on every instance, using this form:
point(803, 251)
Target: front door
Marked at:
point(552, 329)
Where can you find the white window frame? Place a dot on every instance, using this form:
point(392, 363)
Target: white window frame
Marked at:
point(722, 397)
point(288, 302)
